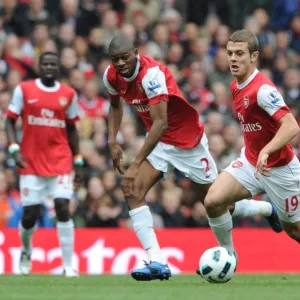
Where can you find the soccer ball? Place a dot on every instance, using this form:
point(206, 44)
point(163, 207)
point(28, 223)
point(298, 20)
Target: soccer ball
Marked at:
point(217, 265)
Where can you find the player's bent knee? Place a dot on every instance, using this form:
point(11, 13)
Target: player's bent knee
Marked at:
point(28, 222)
point(134, 199)
point(213, 202)
point(62, 209)
point(30, 216)
point(135, 194)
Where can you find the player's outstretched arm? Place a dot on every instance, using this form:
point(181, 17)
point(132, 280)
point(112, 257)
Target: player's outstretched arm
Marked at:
point(14, 148)
point(115, 116)
point(159, 116)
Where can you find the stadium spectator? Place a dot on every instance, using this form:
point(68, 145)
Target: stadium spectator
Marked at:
point(190, 41)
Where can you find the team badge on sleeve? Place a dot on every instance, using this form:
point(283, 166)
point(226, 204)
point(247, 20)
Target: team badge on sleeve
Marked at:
point(274, 97)
point(154, 85)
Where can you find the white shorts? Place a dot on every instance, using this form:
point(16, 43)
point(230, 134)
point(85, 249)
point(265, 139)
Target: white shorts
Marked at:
point(195, 163)
point(38, 189)
point(283, 185)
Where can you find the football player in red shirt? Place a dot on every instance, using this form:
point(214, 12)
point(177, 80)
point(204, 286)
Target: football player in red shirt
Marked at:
point(48, 150)
point(267, 163)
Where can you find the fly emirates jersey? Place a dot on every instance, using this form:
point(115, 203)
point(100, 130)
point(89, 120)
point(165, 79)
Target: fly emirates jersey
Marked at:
point(151, 83)
point(259, 106)
point(45, 112)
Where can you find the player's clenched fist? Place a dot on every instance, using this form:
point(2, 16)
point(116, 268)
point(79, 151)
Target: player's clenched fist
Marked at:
point(117, 156)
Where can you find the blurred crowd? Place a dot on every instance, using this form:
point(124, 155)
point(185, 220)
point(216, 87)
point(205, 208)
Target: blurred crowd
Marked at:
point(190, 37)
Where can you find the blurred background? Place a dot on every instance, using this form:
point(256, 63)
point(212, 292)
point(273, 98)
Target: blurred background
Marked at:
point(190, 37)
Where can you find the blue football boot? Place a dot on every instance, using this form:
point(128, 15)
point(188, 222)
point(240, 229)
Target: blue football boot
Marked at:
point(274, 220)
point(153, 270)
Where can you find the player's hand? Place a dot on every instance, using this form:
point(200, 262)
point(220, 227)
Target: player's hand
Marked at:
point(117, 156)
point(78, 177)
point(127, 183)
point(261, 165)
point(19, 160)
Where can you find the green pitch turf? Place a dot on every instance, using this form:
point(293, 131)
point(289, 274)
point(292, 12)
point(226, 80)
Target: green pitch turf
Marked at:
point(186, 287)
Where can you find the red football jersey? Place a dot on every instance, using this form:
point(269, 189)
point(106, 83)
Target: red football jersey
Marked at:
point(97, 108)
point(45, 112)
point(151, 83)
point(259, 106)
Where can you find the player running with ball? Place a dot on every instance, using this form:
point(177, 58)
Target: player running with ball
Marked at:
point(267, 163)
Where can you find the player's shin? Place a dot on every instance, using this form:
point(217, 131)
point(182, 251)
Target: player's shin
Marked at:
point(249, 208)
point(222, 229)
point(26, 238)
point(65, 232)
point(143, 227)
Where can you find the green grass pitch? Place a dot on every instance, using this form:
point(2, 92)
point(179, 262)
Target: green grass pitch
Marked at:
point(186, 287)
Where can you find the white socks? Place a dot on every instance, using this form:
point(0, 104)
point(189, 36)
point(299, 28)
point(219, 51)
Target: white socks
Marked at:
point(143, 226)
point(26, 237)
point(65, 235)
point(222, 229)
point(249, 208)
point(65, 232)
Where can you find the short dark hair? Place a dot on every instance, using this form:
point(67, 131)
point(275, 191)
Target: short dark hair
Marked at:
point(245, 36)
point(121, 42)
point(48, 53)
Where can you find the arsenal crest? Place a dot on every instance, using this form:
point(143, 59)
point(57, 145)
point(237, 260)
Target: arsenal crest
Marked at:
point(140, 87)
point(63, 101)
point(246, 102)
point(25, 191)
point(237, 164)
